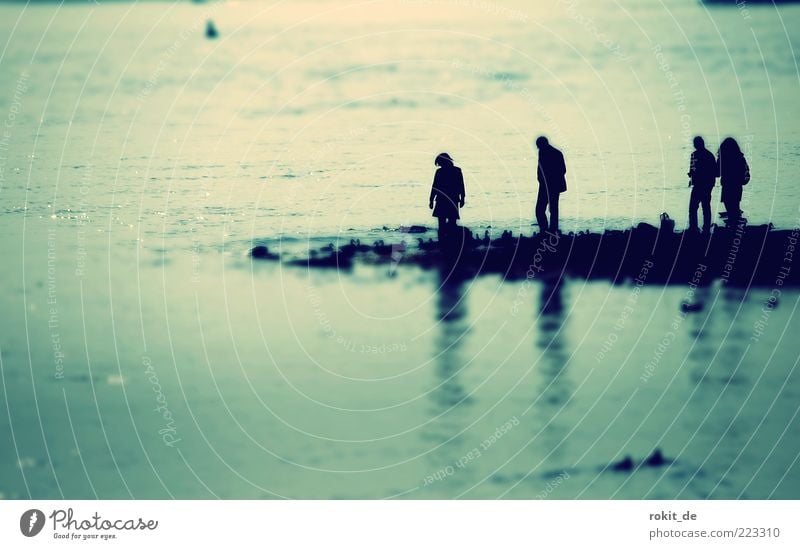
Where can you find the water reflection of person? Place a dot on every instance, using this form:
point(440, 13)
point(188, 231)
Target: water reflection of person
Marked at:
point(555, 387)
point(450, 314)
point(449, 397)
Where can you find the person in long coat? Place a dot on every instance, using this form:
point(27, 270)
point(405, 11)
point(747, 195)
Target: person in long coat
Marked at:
point(551, 174)
point(702, 177)
point(447, 194)
point(734, 173)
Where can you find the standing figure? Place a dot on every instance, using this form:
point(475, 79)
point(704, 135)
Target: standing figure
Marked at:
point(447, 195)
point(702, 177)
point(552, 182)
point(734, 173)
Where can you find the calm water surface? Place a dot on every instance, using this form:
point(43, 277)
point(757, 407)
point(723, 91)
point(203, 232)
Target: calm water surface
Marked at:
point(143, 355)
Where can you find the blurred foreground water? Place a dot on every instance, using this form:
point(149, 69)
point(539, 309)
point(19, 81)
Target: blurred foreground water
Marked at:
point(144, 355)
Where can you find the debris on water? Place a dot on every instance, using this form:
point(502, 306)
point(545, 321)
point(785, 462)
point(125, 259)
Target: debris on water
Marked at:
point(211, 30)
point(625, 464)
point(656, 459)
point(628, 464)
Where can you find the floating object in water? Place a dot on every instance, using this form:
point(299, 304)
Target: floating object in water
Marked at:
point(625, 464)
point(656, 459)
point(628, 465)
point(211, 30)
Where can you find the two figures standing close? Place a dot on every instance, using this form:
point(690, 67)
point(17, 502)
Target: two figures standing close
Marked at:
point(734, 173)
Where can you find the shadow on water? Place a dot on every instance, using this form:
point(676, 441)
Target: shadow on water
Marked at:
point(724, 366)
point(449, 398)
point(554, 386)
point(451, 317)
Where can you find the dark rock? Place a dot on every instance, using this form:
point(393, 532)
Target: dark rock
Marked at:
point(743, 256)
point(262, 252)
point(687, 307)
point(414, 229)
point(624, 465)
point(656, 459)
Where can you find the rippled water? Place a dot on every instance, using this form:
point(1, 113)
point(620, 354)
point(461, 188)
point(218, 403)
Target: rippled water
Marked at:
point(318, 117)
point(144, 355)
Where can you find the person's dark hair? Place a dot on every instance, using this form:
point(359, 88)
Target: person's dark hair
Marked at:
point(443, 159)
point(699, 143)
point(541, 141)
point(729, 147)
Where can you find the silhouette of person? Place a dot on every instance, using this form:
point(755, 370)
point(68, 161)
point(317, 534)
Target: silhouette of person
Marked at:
point(447, 195)
point(550, 174)
point(734, 173)
point(702, 177)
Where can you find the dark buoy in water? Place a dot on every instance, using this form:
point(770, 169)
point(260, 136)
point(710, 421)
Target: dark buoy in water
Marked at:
point(657, 459)
point(625, 464)
point(211, 30)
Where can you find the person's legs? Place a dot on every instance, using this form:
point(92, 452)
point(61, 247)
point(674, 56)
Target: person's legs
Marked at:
point(554, 213)
point(706, 204)
point(734, 202)
point(442, 227)
point(451, 226)
point(737, 202)
point(694, 201)
point(735, 211)
point(732, 207)
point(541, 209)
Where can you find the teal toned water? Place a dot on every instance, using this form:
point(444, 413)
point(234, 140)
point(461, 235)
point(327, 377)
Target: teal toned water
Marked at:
point(143, 354)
